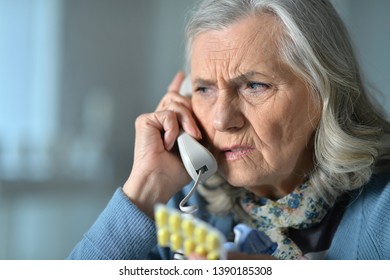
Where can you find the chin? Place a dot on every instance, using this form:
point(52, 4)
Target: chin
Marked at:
point(255, 184)
point(238, 181)
point(243, 173)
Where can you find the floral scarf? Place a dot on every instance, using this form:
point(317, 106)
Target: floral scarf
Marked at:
point(300, 209)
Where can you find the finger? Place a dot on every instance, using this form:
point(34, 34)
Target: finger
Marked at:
point(186, 120)
point(196, 257)
point(172, 97)
point(242, 256)
point(170, 125)
point(174, 86)
point(163, 122)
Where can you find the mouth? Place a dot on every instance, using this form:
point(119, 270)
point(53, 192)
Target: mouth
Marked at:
point(236, 152)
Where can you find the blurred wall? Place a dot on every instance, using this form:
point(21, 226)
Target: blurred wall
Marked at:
point(113, 61)
point(369, 23)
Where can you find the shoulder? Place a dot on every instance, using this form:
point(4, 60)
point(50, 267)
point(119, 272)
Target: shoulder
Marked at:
point(370, 212)
point(375, 197)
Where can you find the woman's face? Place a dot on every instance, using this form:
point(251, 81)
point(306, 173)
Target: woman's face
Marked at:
point(256, 115)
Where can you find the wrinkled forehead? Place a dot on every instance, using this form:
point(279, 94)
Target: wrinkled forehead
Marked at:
point(249, 41)
point(263, 21)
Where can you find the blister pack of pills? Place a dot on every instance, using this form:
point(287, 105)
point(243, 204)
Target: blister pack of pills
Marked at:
point(187, 234)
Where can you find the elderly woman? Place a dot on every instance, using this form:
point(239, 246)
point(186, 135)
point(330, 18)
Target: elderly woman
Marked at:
point(279, 101)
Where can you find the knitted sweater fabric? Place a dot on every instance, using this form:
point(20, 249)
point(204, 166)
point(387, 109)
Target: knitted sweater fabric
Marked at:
point(122, 231)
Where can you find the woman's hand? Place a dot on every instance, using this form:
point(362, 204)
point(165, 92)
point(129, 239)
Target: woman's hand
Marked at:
point(180, 104)
point(243, 256)
point(158, 172)
point(238, 256)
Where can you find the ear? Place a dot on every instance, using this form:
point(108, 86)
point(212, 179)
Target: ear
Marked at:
point(186, 86)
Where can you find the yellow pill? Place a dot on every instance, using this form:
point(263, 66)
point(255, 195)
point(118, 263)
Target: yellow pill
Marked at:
point(212, 241)
point(176, 241)
point(201, 250)
point(175, 222)
point(188, 228)
point(163, 237)
point(200, 234)
point(161, 217)
point(189, 246)
point(213, 255)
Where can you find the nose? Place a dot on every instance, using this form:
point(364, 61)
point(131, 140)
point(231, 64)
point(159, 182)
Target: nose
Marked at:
point(228, 115)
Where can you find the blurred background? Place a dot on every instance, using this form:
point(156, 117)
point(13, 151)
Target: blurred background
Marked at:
point(74, 75)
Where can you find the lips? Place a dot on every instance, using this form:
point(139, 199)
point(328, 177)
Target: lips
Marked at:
point(237, 152)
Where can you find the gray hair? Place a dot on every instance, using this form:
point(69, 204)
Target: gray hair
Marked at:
point(350, 138)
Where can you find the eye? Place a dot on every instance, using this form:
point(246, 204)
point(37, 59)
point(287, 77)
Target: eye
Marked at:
point(256, 87)
point(201, 89)
point(204, 91)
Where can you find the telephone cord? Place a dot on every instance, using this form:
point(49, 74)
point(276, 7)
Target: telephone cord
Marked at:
point(191, 208)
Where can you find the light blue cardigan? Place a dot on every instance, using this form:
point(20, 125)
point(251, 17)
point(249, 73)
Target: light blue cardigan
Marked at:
point(122, 231)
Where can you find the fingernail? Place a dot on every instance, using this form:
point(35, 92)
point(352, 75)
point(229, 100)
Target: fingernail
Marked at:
point(198, 134)
point(170, 146)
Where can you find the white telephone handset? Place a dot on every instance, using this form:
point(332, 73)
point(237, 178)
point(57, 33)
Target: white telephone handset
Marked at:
point(198, 161)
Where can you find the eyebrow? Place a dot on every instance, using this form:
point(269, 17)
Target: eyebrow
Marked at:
point(240, 78)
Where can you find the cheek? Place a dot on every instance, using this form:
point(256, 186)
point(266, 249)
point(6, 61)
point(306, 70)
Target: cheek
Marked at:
point(283, 131)
point(203, 116)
